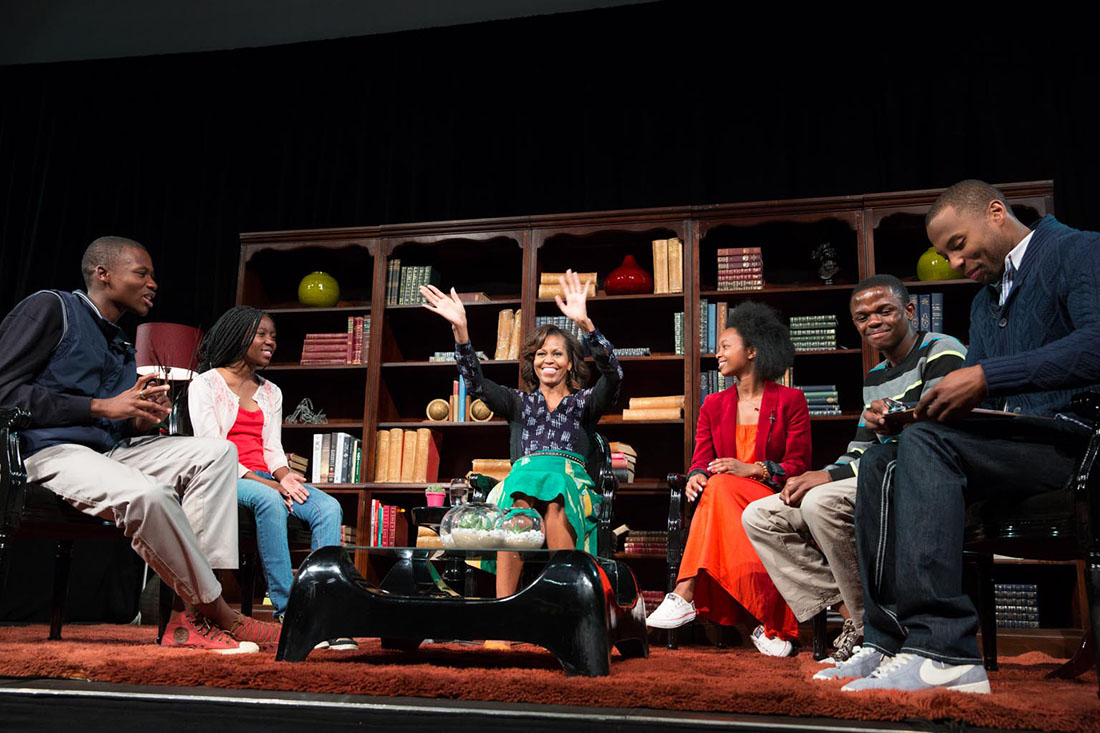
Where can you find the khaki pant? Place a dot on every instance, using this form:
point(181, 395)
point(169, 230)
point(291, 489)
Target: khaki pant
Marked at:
point(811, 578)
point(174, 497)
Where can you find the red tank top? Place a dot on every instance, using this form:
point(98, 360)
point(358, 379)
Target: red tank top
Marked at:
point(247, 434)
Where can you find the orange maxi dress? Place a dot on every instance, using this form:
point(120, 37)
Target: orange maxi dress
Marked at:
point(730, 579)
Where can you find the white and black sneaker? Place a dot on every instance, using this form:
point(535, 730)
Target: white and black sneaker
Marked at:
point(912, 672)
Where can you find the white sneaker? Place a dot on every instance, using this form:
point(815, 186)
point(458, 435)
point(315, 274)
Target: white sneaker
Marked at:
point(863, 662)
point(673, 613)
point(911, 672)
point(772, 646)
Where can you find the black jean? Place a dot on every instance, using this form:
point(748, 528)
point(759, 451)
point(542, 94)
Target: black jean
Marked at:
point(910, 514)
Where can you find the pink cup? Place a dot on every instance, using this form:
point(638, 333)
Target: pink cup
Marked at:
point(435, 498)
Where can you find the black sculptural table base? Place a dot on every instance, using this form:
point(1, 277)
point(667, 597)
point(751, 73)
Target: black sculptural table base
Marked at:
point(578, 608)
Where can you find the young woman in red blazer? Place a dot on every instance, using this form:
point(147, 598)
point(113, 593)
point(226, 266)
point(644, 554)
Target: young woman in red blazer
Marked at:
point(749, 440)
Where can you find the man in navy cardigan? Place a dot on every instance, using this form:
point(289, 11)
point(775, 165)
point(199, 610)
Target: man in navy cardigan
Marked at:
point(1034, 342)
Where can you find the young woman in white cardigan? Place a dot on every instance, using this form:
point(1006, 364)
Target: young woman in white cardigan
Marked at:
point(229, 400)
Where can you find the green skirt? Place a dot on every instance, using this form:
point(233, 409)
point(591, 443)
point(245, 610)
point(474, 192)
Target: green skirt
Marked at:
point(545, 477)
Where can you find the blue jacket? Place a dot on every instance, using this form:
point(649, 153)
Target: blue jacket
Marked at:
point(1043, 345)
point(93, 359)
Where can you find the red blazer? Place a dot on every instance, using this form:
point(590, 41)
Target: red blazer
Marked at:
point(782, 435)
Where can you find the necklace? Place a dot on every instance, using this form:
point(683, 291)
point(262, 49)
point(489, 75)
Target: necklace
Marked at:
point(755, 404)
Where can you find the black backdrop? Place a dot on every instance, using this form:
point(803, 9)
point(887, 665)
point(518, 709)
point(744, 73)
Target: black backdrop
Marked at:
point(646, 105)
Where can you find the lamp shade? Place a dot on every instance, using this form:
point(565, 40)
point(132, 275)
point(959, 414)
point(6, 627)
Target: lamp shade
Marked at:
point(173, 346)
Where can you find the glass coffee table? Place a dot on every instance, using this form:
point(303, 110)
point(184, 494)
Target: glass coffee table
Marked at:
point(578, 607)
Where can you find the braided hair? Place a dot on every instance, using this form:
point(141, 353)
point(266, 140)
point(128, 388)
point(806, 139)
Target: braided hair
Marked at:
point(228, 339)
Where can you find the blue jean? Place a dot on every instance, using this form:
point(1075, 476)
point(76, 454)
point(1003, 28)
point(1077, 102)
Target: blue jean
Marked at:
point(910, 515)
point(320, 511)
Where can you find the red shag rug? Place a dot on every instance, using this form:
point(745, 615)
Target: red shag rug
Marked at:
point(695, 678)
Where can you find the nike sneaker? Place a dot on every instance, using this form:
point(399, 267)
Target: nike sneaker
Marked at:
point(911, 672)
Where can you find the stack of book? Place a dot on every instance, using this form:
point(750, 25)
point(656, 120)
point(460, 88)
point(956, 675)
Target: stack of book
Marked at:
point(331, 349)
point(406, 456)
point(652, 599)
point(509, 334)
point(498, 468)
point(712, 381)
point(668, 265)
point(712, 321)
point(814, 333)
point(822, 399)
point(669, 407)
point(298, 464)
point(449, 356)
point(388, 526)
point(678, 333)
point(337, 458)
point(927, 311)
point(624, 459)
point(1016, 605)
point(647, 542)
point(348, 535)
point(403, 283)
point(740, 268)
point(787, 380)
point(550, 283)
point(633, 351)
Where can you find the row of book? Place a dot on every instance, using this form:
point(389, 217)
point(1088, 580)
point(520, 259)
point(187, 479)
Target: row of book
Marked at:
point(928, 311)
point(564, 324)
point(1016, 605)
point(669, 407)
point(389, 526)
point(406, 456)
point(624, 461)
point(740, 268)
point(668, 265)
point(646, 542)
point(509, 334)
point(328, 349)
point(712, 321)
point(337, 458)
point(814, 332)
point(449, 356)
point(403, 283)
point(550, 283)
point(459, 402)
point(822, 399)
point(678, 333)
point(711, 382)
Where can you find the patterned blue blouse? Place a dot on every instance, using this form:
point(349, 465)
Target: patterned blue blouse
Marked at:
point(535, 428)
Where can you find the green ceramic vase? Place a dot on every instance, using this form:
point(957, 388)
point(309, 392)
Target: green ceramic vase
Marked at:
point(319, 290)
point(933, 266)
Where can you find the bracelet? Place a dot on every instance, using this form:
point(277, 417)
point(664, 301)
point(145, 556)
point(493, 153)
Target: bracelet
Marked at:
point(764, 468)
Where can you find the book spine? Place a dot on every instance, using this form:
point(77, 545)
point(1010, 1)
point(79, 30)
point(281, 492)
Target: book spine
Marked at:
point(660, 265)
point(461, 400)
point(937, 312)
point(504, 333)
point(678, 332)
point(515, 341)
point(738, 251)
point(316, 473)
point(925, 301)
point(553, 278)
point(675, 265)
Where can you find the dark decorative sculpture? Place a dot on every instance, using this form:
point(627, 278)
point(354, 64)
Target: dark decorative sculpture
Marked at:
point(825, 255)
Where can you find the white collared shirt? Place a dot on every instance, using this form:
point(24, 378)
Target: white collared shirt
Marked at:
point(1014, 257)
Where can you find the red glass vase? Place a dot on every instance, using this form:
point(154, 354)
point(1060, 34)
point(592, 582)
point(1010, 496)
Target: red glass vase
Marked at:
point(628, 279)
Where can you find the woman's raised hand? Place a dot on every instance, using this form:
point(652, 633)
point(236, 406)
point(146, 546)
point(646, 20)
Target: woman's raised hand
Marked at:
point(448, 306)
point(574, 305)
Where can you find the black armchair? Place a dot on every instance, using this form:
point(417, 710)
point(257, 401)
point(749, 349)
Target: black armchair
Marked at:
point(598, 467)
point(1056, 525)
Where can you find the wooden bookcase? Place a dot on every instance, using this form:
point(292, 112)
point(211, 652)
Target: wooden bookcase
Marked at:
point(504, 257)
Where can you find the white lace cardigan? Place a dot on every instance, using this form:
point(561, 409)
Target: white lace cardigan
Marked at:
point(213, 409)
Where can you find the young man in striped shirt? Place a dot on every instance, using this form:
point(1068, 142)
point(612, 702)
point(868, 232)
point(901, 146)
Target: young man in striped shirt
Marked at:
point(805, 535)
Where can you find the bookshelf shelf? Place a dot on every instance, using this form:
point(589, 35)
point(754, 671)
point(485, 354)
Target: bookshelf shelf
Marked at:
point(336, 425)
point(828, 352)
point(492, 303)
point(603, 298)
point(618, 420)
point(962, 282)
point(490, 363)
point(314, 368)
point(641, 556)
point(441, 425)
point(777, 290)
point(296, 310)
point(834, 418)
